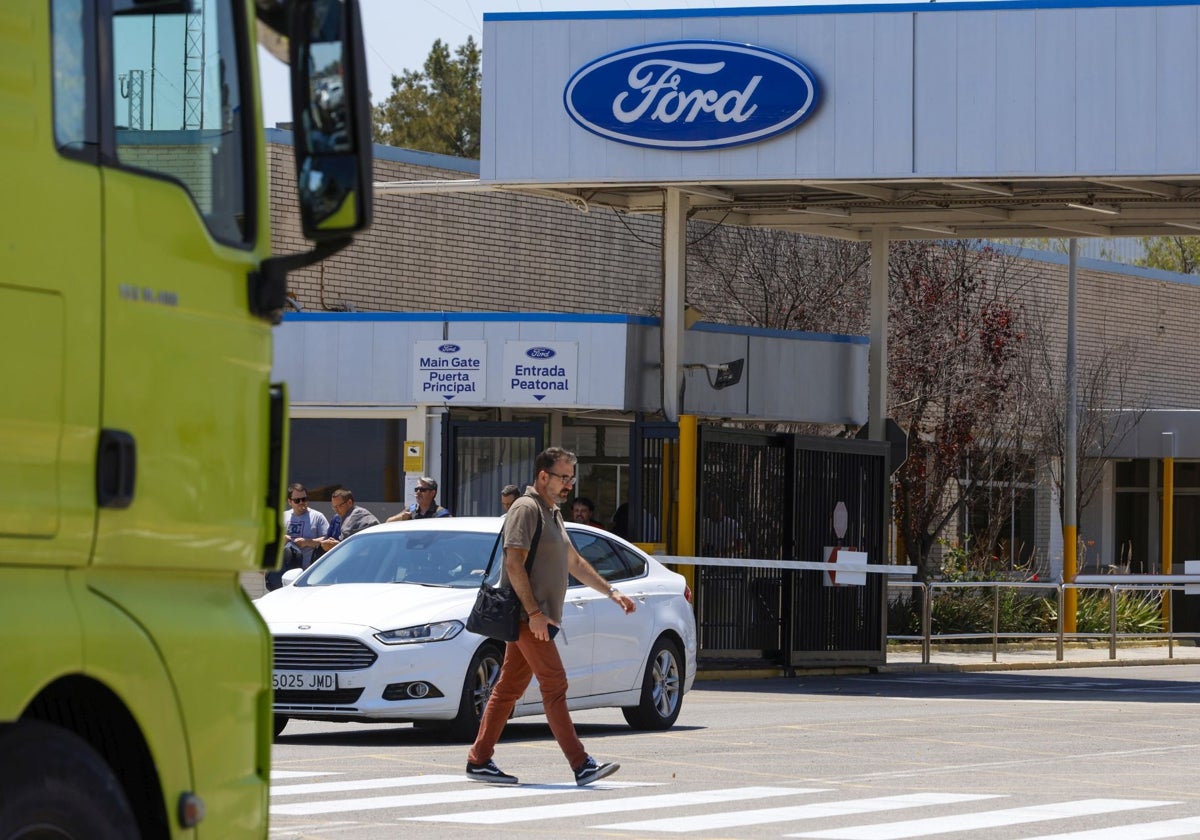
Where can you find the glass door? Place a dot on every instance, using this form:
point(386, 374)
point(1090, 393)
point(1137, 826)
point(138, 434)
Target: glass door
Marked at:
point(484, 457)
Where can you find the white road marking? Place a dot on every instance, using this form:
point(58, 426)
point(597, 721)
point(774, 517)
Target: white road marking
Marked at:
point(816, 810)
point(299, 774)
point(477, 792)
point(983, 819)
point(1041, 759)
point(1183, 827)
point(612, 806)
point(362, 784)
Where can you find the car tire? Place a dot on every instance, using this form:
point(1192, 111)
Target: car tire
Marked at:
point(480, 678)
point(55, 785)
point(280, 722)
point(662, 689)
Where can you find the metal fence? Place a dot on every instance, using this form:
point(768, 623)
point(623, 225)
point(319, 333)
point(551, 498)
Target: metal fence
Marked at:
point(927, 591)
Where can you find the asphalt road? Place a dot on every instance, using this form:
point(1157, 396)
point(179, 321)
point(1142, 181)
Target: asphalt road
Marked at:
point(1086, 754)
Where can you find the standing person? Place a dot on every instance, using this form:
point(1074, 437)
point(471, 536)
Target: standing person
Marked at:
point(509, 495)
point(583, 511)
point(722, 534)
point(542, 592)
point(426, 506)
point(353, 517)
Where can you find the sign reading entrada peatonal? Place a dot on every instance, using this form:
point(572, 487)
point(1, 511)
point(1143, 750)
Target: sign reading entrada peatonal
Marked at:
point(691, 94)
point(540, 372)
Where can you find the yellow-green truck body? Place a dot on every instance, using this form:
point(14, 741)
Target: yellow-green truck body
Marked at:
point(141, 441)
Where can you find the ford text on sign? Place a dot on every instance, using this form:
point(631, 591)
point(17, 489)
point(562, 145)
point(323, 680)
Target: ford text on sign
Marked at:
point(691, 94)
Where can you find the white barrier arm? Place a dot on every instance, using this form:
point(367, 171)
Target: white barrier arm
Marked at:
point(798, 565)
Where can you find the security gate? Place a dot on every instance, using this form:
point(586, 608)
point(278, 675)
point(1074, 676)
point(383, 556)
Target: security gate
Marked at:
point(773, 497)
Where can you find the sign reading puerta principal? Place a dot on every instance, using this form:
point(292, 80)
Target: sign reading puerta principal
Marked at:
point(530, 372)
point(691, 94)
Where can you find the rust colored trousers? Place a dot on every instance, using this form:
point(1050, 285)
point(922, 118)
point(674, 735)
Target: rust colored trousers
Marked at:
point(524, 659)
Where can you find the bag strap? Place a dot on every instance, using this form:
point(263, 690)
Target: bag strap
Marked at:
point(529, 558)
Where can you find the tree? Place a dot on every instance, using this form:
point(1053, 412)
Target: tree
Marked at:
point(782, 281)
point(1106, 413)
point(436, 109)
point(954, 346)
point(1172, 253)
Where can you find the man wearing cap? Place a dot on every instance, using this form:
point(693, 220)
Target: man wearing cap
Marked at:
point(426, 506)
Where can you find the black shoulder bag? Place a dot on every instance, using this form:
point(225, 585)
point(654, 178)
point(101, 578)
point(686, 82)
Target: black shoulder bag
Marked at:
point(497, 610)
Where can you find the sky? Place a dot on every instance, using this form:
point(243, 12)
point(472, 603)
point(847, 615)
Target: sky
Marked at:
point(399, 34)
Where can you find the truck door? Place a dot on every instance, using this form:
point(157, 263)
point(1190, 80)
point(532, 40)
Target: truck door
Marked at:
point(184, 401)
point(49, 290)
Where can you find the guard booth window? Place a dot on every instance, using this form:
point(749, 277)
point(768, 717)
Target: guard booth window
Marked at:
point(364, 455)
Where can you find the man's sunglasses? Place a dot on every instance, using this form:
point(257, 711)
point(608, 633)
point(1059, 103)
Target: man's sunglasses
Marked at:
point(298, 500)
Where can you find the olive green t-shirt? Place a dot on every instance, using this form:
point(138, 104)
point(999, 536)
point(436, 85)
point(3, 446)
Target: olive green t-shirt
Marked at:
point(548, 577)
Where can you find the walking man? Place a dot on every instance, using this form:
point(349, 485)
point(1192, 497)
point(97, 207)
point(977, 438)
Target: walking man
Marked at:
point(542, 593)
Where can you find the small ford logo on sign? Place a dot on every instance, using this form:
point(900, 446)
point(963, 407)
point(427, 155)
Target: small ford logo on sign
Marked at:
point(448, 348)
point(540, 353)
point(691, 95)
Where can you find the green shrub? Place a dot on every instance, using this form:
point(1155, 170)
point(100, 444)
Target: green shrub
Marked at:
point(969, 610)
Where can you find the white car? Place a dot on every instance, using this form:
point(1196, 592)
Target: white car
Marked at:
point(374, 631)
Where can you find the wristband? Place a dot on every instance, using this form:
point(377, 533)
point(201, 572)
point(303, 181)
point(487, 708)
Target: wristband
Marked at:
point(535, 612)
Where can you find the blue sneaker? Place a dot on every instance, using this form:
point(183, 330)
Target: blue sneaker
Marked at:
point(593, 772)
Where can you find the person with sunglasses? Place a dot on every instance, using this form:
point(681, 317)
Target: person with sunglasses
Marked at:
point(426, 506)
point(542, 592)
point(303, 530)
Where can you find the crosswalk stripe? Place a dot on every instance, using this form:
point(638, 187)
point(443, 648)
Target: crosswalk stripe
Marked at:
point(983, 819)
point(362, 784)
point(298, 774)
point(477, 793)
point(612, 806)
point(1183, 827)
point(815, 810)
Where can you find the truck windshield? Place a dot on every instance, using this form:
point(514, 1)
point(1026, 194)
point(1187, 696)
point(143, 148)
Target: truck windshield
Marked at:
point(179, 108)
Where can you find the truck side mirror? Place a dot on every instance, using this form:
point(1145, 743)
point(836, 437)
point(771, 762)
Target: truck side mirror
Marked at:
point(331, 118)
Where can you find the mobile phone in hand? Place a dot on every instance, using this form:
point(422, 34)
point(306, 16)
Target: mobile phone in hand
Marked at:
point(552, 629)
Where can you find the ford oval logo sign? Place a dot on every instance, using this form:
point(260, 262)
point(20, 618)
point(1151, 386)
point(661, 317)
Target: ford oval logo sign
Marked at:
point(448, 348)
point(691, 94)
point(540, 353)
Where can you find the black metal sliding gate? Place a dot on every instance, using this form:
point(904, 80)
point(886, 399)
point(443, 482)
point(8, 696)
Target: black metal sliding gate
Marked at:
point(789, 497)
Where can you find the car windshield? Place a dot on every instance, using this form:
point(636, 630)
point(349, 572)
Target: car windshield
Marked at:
point(429, 558)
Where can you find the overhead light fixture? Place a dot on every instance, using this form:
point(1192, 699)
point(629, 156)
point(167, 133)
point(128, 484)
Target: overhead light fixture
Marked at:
point(941, 231)
point(1095, 208)
point(1185, 225)
point(839, 212)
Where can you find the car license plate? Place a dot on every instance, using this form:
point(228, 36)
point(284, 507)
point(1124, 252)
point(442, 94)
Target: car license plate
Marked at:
point(303, 681)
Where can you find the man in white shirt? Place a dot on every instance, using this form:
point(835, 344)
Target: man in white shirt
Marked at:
point(302, 527)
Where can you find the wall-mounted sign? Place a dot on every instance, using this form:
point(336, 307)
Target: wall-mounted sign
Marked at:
point(691, 94)
point(540, 372)
point(414, 456)
point(450, 371)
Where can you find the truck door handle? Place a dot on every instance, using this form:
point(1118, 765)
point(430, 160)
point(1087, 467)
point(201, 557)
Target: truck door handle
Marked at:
point(116, 469)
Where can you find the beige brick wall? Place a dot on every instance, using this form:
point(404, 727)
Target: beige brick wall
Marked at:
point(462, 253)
point(521, 253)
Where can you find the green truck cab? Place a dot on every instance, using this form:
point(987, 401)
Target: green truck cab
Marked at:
point(142, 444)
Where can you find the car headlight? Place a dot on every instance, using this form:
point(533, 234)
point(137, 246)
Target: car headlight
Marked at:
point(439, 631)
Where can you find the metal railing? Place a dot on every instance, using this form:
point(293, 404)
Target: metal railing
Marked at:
point(927, 591)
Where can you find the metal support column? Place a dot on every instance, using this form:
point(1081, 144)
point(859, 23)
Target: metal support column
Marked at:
point(1071, 436)
point(877, 374)
point(674, 256)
